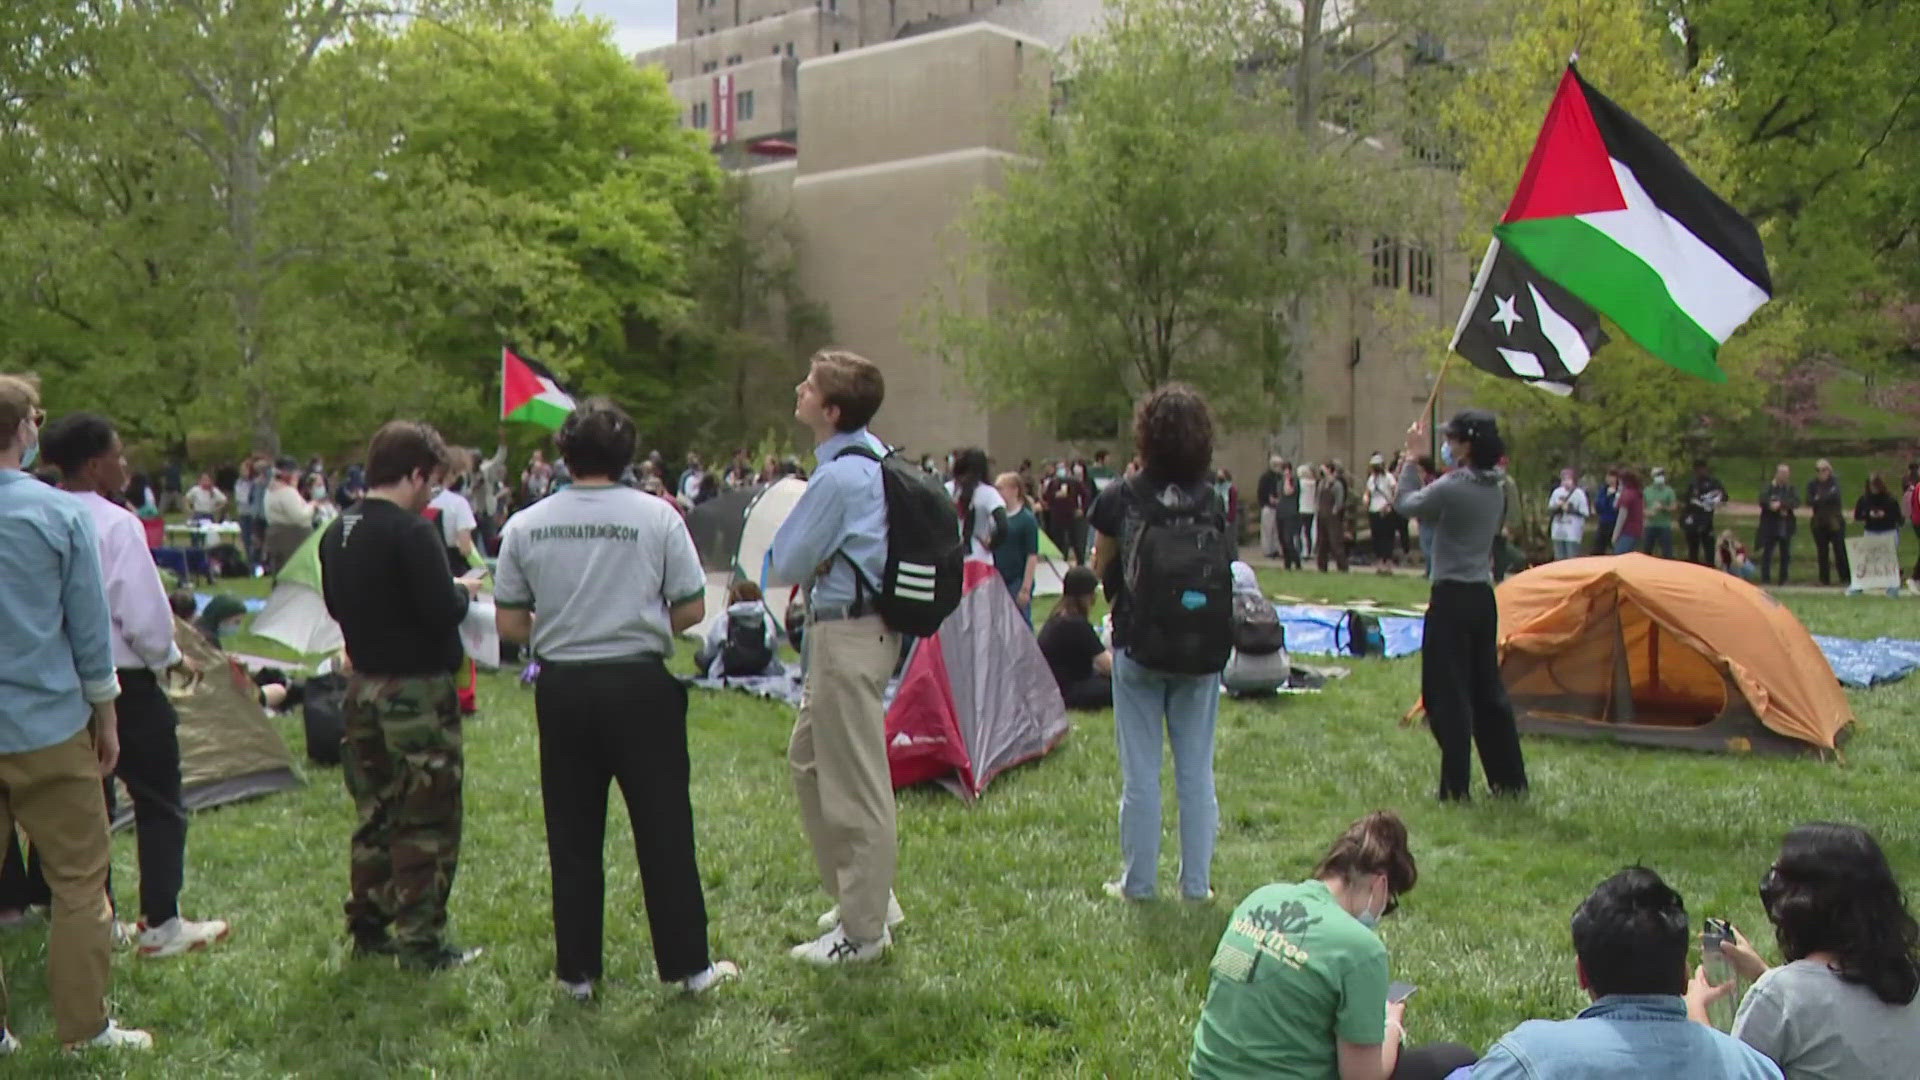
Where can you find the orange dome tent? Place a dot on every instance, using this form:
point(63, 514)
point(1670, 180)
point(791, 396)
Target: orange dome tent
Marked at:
point(1664, 653)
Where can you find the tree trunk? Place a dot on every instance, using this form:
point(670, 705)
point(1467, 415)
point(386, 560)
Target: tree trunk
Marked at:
point(243, 214)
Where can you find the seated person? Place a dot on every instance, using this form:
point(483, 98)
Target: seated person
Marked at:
point(1298, 985)
point(1630, 943)
point(1080, 661)
point(1262, 665)
point(1843, 1004)
point(1734, 559)
point(743, 643)
point(222, 618)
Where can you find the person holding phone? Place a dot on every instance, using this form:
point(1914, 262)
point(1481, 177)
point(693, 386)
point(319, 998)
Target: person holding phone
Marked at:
point(1299, 982)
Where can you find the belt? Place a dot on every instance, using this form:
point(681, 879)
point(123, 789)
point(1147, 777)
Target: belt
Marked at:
point(610, 661)
point(836, 612)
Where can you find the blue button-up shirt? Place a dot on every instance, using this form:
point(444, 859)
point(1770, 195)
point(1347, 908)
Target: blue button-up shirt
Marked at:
point(56, 640)
point(844, 512)
point(1623, 1035)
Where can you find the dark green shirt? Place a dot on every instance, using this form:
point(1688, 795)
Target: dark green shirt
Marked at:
point(1021, 541)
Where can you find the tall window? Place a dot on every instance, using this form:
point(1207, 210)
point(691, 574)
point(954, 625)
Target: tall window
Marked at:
point(1386, 262)
point(699, 118)
point(1420, 270)
point(743, 110)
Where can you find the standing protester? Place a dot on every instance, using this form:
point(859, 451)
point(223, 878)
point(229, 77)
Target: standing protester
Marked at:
point(1705, 494)
point(488, 491)
point(387, 583)
point(243, 508)
point(1878, 513)
point(835, 542)
point(87, 450)
point(59, 733)
point(1018, 555)
point(599, 578)
point(1309, 507)
point(205, 501)
point(1382, 528)
point(1778, 501)
point(1287, 510)
point(1267, 493)
point(1161, 548)
point(1078, 471)
point(1606, 510)
point(1567, 507)
point(289, 517)
point(1459, 664)
point(983, 513)
point(453, 514)
point(1829, 523)
point(1065, 499)
point(1660, 503)
point(1630, 510)
point(1330, 516)
point(1101, 474)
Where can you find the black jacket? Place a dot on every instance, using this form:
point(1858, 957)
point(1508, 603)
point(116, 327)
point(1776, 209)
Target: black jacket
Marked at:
point(1879, 513)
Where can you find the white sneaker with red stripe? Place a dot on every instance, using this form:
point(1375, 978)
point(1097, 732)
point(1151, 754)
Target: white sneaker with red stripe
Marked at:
point(178, 935)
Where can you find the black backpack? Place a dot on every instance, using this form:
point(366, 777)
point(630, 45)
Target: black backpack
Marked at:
point(925, 551)
point(1179, 574)
point(1363, 634)
point(1256, 626)
point(745, 651)
point(323, 712)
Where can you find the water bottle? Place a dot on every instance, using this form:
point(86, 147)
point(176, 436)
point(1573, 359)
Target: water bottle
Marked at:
point(1719, 971)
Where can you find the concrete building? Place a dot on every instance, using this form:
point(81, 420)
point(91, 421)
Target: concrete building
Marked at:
point(884, 145)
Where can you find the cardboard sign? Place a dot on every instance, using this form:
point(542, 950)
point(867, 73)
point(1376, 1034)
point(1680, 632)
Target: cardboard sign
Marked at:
point(1876, 561)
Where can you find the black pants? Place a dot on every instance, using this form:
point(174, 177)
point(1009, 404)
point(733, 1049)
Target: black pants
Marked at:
point(1466, 701)
point(1700, 546)
point(1834, 541)
point(619, 722)
point(1093, 692)
point(1768, 543)
point(1432, 1061)
point(150, 767)
point(1602, 539)
point(1382, 532)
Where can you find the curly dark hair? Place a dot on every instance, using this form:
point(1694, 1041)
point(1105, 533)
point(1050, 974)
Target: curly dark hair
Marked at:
point(1631, 935)
point(1831, 890)
point(1173, 431)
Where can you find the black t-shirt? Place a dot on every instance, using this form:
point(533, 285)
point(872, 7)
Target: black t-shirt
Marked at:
point(1070, 644)
point(385, 576)
point(1116, 513)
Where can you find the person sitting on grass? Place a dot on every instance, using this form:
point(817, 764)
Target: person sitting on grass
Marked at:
point(1734, 558)
point(1259, 665)
point(1081, 664)
point(744, 643)
point(220, 620)
point(1630, 942)
point(1843, 1005)
point(1299, 982)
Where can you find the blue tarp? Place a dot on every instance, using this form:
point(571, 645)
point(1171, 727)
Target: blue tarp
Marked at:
point(1859, 663)
point(1316, 631)
point(253, 604)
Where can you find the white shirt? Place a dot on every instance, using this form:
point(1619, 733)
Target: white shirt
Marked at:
point(979, 518)
point(205, 501)
point(1380, 492)
point(456, 516)
point(1308, 489)
point(1570, 524)
point(284, 506)
point(136, 600)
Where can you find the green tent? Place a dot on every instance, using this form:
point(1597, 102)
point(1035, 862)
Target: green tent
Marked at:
point(296, 612)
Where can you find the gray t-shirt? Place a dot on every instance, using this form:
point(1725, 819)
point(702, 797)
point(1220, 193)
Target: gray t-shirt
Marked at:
point(1464, 510)
point(1818, 1027)
point(599, 567)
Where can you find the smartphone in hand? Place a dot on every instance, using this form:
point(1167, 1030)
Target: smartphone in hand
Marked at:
point(1398, 992)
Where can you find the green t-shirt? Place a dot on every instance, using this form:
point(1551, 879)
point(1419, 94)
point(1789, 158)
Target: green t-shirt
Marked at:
point(1100, 476)
point(1293, 977)
point(1660, 503)
point(1022, 540)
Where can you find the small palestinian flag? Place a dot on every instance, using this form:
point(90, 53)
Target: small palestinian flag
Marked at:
point(529, 393)
point(1608, 211)
point(1519, 325)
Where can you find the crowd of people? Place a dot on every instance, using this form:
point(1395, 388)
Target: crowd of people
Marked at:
point(597, 574)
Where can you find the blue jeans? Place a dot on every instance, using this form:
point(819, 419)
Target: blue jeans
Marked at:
point(1626, 545)
point(1659, 537)
point(1146, 702)
point(1566, 549)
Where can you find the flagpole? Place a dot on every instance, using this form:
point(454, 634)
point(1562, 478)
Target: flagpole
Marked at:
point(503, 384)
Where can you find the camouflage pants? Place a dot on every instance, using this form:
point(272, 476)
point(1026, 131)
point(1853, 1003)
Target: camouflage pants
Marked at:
point(403, 764)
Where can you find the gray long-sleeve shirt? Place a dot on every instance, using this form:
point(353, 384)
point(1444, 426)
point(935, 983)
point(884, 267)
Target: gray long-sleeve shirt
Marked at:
point(1464, 509)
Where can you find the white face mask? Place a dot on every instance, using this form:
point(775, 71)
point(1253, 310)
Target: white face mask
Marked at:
point(1370, 918)
point(30, 451)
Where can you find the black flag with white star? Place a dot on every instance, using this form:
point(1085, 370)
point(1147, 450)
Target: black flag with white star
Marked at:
point(1519, 325)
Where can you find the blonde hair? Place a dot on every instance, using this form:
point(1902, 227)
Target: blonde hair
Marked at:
point(1012, 480)
point(19, 398)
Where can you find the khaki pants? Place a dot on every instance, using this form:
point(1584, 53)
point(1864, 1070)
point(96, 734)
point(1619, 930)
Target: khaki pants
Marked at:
point(55, 794)
point(839, 758)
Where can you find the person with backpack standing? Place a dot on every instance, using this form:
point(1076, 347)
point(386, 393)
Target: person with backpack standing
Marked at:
point(1164, 553)
point(1459, 661)
point(843, 540)
point(599, 579)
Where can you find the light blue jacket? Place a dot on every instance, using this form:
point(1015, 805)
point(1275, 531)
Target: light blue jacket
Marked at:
point(1623, 1036)
point(57, 654)
point(843, 511)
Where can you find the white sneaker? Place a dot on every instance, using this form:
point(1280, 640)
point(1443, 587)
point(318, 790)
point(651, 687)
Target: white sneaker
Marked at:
point(125, 934)
point(894, 915)
point(717, 972)
point(834, 948)
point(178, 935)
point(578, 991)
point(8, 1044)
point(1116, 891)
point(115, 1037)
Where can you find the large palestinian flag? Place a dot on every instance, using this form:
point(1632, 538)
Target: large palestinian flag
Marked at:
point(529, 393)
point(1609, 213)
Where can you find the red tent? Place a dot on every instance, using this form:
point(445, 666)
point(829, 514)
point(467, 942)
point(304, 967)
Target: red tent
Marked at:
point(977, 698)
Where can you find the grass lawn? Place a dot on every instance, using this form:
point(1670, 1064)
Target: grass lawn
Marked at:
point(1012, 963)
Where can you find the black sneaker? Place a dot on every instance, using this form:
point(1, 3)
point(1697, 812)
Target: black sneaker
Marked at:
point(368, 946)
point(438, 958)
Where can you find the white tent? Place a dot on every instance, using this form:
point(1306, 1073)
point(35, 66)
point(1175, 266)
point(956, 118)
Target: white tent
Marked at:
point(734, 533)
point(296, 614)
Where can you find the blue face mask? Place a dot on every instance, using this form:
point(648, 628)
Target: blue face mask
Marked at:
point(1446, 453)
point(30, 455)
